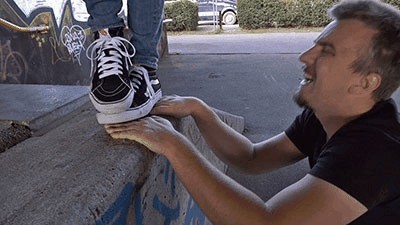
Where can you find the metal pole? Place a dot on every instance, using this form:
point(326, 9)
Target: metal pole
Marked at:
point(23, 29)
point(215, 14)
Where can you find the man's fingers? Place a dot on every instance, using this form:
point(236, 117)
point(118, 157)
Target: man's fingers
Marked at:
point(121, 127)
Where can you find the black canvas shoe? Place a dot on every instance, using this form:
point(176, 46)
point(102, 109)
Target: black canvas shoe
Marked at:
point(111, 86)
point(147, 93)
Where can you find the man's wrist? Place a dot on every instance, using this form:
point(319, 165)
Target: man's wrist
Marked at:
point(197, 107)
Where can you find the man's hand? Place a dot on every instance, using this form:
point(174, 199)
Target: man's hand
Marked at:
point(175, 106)
point(154, 132)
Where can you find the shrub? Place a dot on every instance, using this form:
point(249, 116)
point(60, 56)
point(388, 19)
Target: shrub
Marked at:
point(184, 15)
point(393, 2)
point(254, 14)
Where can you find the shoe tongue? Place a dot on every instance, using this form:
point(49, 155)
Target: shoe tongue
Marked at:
point(103, 33)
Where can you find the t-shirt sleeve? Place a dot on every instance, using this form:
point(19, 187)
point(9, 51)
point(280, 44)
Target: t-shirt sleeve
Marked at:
point(304, 131)
point(359, 168)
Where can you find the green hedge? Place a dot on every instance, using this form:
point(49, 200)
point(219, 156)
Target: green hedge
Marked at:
point(393, 2)
point(255, 14)
point(184, 15)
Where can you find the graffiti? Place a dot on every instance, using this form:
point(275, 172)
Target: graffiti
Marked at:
point(73, 39)
point(194, 215)
point(79, 10)
point(117, 213)
point(28, 6)
point(191, 215)
point(166, 177)
point(170, 214)
point(13, 66)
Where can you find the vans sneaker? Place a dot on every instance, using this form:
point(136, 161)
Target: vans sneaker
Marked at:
point(111, 86)
point(147, 93)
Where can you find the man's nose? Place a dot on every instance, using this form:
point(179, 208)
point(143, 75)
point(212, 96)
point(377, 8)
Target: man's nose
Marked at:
point(309, 55)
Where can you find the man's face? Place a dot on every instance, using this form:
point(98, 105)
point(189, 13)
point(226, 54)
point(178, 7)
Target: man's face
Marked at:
point(328, 75)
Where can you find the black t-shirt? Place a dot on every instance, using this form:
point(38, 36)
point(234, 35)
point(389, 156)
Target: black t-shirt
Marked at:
point(362, 158)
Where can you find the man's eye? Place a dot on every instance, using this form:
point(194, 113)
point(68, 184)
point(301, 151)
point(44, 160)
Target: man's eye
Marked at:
point(326, 51)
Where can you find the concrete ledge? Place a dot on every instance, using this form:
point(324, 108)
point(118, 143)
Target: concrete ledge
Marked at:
point(39, 106)
point(163, 199)
point(77, 174)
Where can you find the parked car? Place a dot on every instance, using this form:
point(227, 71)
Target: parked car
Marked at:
point(209, 11)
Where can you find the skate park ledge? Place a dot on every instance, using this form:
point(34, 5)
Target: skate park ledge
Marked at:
point(65, 169)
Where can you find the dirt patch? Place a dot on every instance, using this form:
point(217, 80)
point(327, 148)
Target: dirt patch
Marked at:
point(13, 134)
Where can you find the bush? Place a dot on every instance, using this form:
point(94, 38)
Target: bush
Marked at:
point(394, 2)
point(254, 14)
point(184, 15)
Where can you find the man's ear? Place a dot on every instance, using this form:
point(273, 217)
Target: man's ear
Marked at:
point(366, 84)
point(373, 81)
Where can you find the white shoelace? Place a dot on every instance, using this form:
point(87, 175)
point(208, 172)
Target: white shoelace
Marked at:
point(109, 65)
point(139, 75)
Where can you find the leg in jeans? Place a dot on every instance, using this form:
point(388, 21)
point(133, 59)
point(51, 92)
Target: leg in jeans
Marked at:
point(145, 22)
point(104, 14)
point(120, 91)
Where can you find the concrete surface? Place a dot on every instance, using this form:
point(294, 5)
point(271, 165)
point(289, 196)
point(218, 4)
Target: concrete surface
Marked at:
point(38, 106)
point(69, 175)
point(35, 109)
point(170, 201)
point(77, 174)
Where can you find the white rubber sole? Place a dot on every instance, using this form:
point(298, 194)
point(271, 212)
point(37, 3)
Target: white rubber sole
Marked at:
point(112, 107)
point(131, 113)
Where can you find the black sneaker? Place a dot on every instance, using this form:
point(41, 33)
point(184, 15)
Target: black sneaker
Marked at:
point(147, 93)
point(155, 83)
point(111, 86)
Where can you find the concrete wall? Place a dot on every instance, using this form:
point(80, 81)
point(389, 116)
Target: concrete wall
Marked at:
point(163, 199)
point(70, 171)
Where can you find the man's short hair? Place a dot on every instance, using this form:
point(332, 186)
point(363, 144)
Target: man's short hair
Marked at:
point(384, 53)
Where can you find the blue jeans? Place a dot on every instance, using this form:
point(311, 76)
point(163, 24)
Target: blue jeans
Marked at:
point(144, 21)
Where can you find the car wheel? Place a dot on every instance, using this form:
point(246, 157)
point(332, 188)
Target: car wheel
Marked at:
point(229, 18)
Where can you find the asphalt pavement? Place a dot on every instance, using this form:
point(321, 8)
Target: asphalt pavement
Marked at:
point(250, 75)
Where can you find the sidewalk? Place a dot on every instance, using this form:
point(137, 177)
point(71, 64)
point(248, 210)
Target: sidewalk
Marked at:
point(27, 109)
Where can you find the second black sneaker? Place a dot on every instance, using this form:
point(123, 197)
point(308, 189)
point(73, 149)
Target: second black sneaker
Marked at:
point(147, 93)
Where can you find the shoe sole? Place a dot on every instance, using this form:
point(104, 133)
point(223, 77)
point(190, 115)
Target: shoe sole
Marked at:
point(130, 114)
point(114, 107)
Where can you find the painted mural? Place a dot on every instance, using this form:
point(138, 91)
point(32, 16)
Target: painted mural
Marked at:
point(56, 56)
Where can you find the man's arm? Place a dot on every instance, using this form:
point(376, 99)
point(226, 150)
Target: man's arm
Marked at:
point(310, 201)
point(232, 147)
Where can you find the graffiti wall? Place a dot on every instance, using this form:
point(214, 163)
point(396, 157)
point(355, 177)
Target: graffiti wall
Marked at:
point(56, 56)
point(162, 198)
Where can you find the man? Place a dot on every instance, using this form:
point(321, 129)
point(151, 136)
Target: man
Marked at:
point(124, 83)
point(349, 130)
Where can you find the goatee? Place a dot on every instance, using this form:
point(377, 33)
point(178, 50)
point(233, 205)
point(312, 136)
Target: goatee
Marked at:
point(299, 100)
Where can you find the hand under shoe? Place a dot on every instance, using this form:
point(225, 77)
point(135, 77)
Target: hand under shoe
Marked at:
point(154, 132)
point(175, 106)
